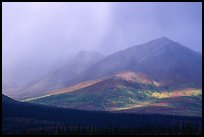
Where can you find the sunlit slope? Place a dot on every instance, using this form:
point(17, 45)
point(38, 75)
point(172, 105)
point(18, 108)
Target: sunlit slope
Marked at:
point(126, 91)
point(183, 102)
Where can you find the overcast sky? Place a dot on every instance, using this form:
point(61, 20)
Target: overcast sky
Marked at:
point(37, 35)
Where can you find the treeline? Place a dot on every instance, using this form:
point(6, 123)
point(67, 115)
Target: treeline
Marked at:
point(25, 118)
point(32, 127)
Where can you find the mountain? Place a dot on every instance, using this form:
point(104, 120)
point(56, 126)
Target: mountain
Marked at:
point(57, 79)
point(159, 75)
point(26, 118)
point(163, 60)
point(126, 92)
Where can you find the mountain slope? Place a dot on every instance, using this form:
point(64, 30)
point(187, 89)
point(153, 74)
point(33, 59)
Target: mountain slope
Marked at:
point(125, 91)
point(163, 60)
point(55, 80)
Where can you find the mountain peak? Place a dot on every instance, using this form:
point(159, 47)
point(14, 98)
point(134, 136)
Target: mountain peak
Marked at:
point(159, 44)
point(164, 39)
point(161, 40)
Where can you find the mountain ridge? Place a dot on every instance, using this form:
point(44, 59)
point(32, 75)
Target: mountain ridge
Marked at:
point(128, 60)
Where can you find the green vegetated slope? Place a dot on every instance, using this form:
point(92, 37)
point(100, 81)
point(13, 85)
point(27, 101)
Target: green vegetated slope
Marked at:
point(122, 93)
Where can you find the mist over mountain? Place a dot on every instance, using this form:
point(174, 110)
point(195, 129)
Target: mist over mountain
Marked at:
point(57, 78)
point(164, 60)
point(44, 34)
point(167, 62)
